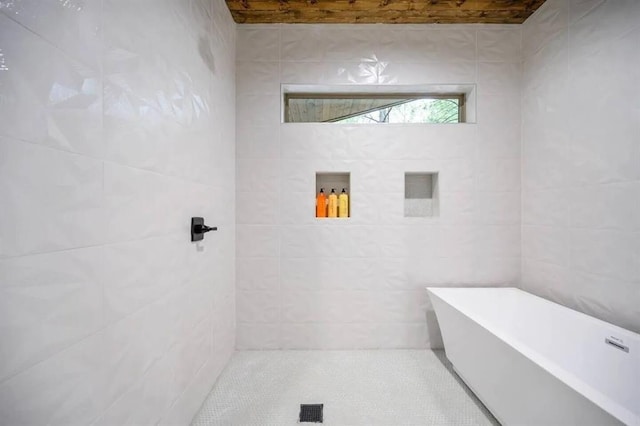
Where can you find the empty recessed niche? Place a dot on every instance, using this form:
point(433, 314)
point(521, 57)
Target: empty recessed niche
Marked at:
point(334, 180)
point(421, 194)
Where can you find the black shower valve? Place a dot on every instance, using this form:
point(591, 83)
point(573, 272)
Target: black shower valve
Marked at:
point(201, 229)
point(198, 228)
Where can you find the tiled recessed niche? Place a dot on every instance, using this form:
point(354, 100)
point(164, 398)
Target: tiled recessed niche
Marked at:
point(334, 180)
point(421, 194)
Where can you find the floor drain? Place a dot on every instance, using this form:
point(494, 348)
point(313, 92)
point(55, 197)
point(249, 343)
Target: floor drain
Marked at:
point(311, 413)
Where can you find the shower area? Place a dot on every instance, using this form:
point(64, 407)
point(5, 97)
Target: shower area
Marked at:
point(126, 126)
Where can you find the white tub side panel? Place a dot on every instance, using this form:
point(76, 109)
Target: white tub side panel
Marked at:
point(516, 390)
point(568, 344)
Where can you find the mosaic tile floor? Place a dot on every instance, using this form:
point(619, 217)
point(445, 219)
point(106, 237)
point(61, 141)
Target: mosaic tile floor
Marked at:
point(372, 387)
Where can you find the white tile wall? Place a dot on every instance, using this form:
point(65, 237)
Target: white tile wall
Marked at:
point(359, 283)
point(581, 157)
point(116, 126)
point(67, 388)
point(126, 132)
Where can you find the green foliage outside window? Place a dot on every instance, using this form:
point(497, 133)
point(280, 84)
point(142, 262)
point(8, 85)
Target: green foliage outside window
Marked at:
point(412, 111)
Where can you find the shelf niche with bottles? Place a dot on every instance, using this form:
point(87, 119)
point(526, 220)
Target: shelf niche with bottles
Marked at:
point(329, 181)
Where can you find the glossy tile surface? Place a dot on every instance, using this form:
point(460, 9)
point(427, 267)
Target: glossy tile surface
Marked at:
point(581, 157)
point(307, 283)
point(116, 126)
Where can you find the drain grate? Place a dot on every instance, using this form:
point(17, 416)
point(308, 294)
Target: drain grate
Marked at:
point(311, 413)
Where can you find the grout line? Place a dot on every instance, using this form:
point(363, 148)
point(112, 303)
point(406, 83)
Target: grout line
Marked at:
point(90, 246)
point(102, 140)
point(103, 327)
point(107, 161)
point(43, 38)
point(281, 204)
point(519, 283)
point(122, 394)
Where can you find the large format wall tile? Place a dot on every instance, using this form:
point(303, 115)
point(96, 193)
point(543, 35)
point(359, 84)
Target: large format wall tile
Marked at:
point(59, 105)
point(164, 381)
point(500, 45)
point(66, 389)
point(156, 94)
point(547, 23)
point(48, 302)
point(258, 43)
point(56, 199)
point(141, 272)
point(580, 157)
point(75, 26)
point(109, 313)
point(306, 283)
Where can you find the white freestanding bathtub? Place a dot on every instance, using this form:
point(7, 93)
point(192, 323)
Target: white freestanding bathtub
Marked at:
point(534, 362)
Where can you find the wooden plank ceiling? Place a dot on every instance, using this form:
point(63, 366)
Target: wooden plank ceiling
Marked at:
point(382, 11)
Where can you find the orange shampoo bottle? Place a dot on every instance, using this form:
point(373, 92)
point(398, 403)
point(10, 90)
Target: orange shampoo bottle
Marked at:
point(321, 204)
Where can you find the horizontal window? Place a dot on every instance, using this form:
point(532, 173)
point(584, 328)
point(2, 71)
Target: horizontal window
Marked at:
point(374, 108)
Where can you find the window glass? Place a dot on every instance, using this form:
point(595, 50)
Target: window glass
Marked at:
point(364, 109)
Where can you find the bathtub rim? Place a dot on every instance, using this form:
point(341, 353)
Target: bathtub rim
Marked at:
point(603, 401)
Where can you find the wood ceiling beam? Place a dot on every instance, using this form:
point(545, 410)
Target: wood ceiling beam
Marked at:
point(372, 5)
point(383, 11)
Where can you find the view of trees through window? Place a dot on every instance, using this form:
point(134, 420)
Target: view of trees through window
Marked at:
point(431, 110)
point(374, 108)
